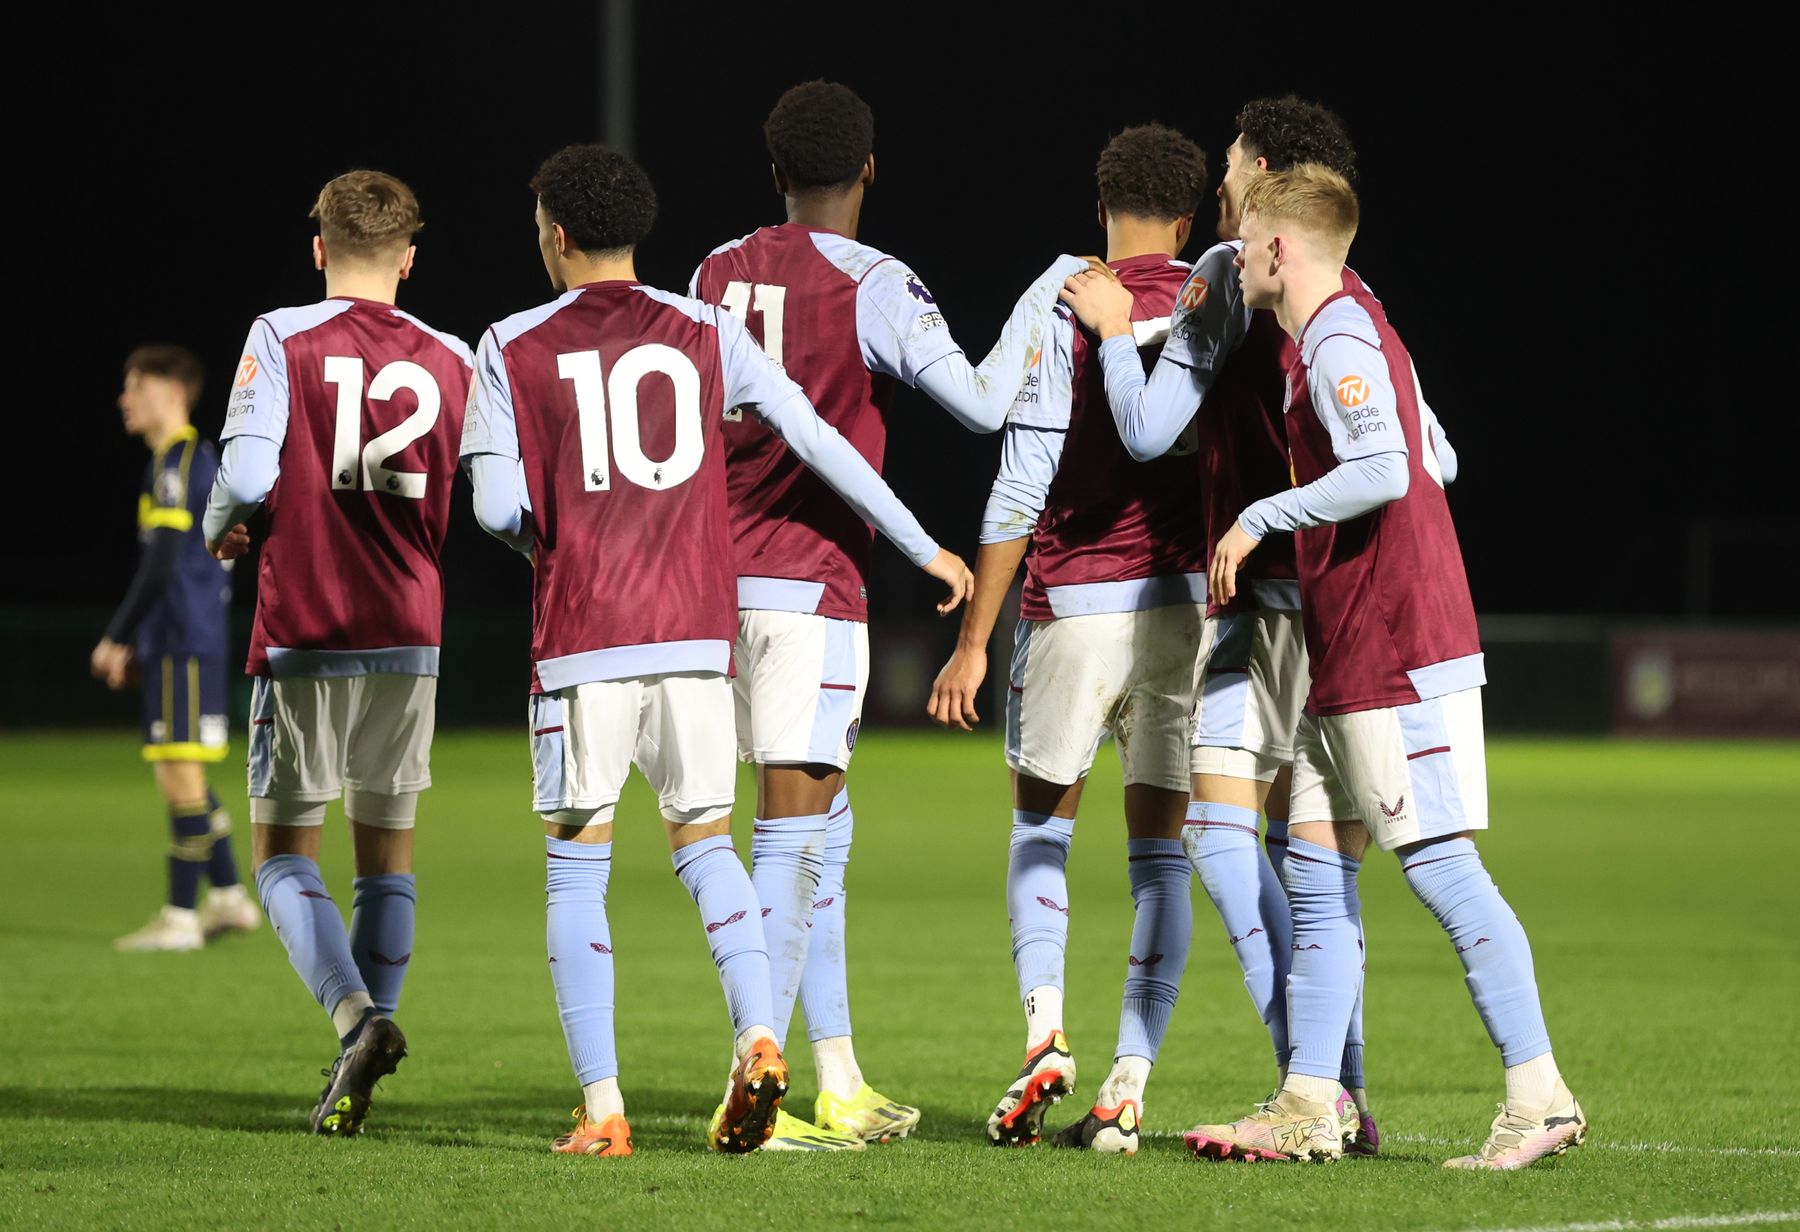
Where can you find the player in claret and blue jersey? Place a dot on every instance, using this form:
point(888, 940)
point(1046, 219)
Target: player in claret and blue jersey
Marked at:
point(849, 323)
point(596, 441)
point(1233, 359)
point(1109, 633)
point(170, 631)
point(343, 423)
point(1390, 746)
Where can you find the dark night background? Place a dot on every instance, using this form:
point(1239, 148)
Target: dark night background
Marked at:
point(1538, 219)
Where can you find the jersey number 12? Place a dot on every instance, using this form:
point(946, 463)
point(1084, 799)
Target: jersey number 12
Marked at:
point(356, 465)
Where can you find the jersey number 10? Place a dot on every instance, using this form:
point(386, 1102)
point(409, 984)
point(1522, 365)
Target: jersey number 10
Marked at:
point(355, 465)
point(597, 393)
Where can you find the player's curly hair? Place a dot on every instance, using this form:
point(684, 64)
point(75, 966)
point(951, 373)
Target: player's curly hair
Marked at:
point(1151, 171)
point(601, 198)
point(1289, 131)
point(819, 135)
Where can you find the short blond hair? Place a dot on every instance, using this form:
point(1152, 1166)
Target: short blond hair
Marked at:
point(1311, 195)
point(366, 214)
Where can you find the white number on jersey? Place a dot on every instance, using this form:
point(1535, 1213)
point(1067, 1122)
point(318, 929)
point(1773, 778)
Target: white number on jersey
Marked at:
point(355, 465)
point(597, 394)
point(741, 299)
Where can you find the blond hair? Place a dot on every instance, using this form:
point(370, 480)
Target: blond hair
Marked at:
point(1310, 195)
point(366, 214)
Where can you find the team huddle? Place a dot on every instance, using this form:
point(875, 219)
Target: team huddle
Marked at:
point(1224, 482)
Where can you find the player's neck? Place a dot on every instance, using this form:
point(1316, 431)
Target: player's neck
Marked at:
point(1128, 237)
point(829, 210)
point(361, 284)
point(1302, 291)
point(578, 272)
point(158, 438)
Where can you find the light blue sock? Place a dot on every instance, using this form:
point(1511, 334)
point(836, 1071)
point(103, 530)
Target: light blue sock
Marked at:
point(579, 939)
point(824, 987)
point(1327, 955)
point(1450, 880)
point(719, 886)
point(381, 934)
point(1161, 930)
point(785, 858)
point(1352, 1066)
point(1220, 840)
point(1037, 897)
point(1350, 1069)
point(308, 924)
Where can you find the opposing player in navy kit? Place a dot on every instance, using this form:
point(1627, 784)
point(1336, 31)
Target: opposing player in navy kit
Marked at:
point(171, 632)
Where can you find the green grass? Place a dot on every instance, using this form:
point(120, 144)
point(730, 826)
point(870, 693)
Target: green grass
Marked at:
point(165, 1090)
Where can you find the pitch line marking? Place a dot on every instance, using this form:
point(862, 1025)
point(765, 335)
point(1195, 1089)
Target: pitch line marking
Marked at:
point(1656, 1148)
point(1672, 1224)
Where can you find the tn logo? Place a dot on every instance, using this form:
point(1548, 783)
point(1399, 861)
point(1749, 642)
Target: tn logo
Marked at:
point(1353, 391)
point(246, 370)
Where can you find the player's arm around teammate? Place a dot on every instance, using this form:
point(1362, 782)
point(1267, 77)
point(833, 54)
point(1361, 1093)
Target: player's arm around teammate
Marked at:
point(634, 598)
point(1107, 641)
point(1390, 747)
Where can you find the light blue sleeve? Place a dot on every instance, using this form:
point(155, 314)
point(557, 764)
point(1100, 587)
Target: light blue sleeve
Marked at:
point(1349, 490)
point(1208, 325)
point(1441, 448)
point(752, 381)
point(501, 499)
point(1036, 429)
point(898, 325)
point(1028, 461)
point(1442, 453)
point(1353, 396)
point(259, 390)
point(490, 424)
point(248, 470)
point(979, 396)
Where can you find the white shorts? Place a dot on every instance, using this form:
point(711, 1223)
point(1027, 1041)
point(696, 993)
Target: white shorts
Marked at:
point(1077, 678)
point(315, 738)
point(1408, 773)
point(800, 683)
point(1254, 683)
point(675, 727)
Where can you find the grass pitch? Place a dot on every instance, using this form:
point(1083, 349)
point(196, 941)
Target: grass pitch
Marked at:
point(1656, 881)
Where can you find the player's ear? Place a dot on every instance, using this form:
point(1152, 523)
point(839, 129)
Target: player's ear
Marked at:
point(318, 252)
point(1184, 227)
point(562, 239)
point(868, 171)
point(412, 250)
point(781, 185)
point(1100, 213)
